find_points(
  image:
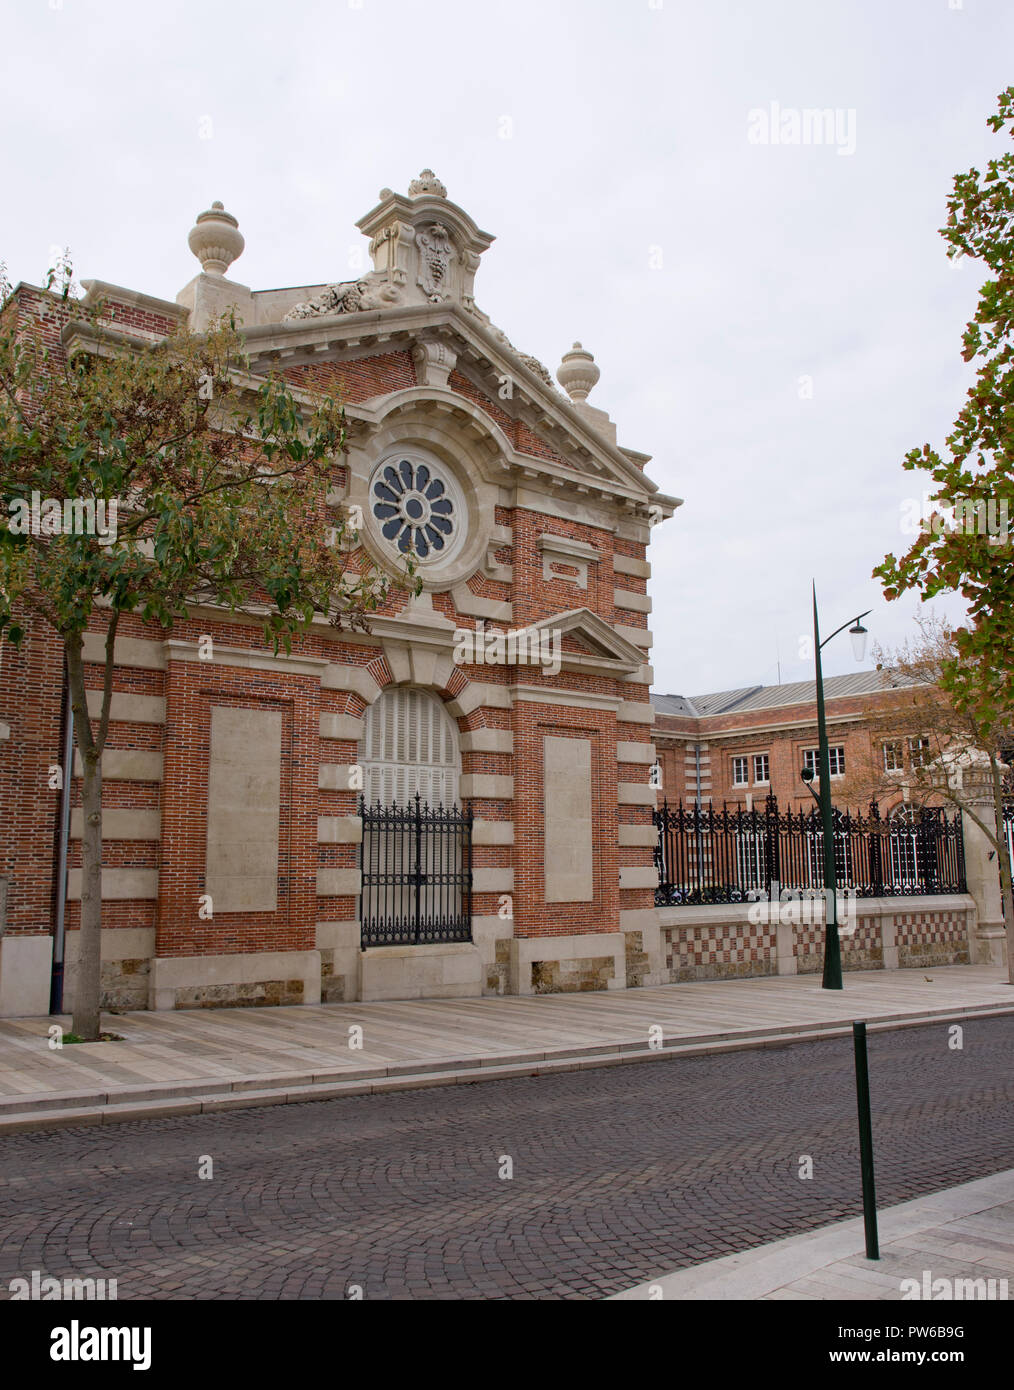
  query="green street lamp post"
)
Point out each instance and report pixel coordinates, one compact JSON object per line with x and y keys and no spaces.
{"x":832,"y":945}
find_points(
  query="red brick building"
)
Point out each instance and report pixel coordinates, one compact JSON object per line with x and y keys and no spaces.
{"x":233,"y":843}
{"x":736,"y":747}
{"x":914,"y":902}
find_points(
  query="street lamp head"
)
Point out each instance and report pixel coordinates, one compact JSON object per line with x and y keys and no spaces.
{"x":807,"y":774}
{"x":858,"y":635}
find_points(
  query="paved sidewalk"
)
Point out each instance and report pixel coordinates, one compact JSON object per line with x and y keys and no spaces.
{"x":963,"y":1233}
{"x":187,"y":1062}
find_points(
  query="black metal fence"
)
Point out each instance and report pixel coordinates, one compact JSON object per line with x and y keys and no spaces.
{"x":416,"y":863}
{"x":710,"y":855}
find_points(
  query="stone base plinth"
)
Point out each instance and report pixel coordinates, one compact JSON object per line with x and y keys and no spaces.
{"x":568,"y":964}
{"x":449,"y":971}
{"x":236,"y":980}
{"x":126,"y":967}
{"x":989,"y":944}
{"x":25,"y":968}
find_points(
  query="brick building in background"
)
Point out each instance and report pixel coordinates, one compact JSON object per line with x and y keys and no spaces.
{"x":238,"y":778}
{"x":926,"y":890}
{"x":736,"y":747}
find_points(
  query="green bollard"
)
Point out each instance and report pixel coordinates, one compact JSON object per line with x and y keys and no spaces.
{"x":866,"y":1140}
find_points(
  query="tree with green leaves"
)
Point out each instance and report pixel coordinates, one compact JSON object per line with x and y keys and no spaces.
{"x":149,"y":478}
{"x":967,"y":545}
{"x":933,"y":753}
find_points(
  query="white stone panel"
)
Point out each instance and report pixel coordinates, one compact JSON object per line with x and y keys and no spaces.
{"x":126,"y":765}
{"x":339,"y":830}
{"x":244,"y":788}
{"x":568,"y":820}
{"x":117,"y":824}
{"x":118,"y":885}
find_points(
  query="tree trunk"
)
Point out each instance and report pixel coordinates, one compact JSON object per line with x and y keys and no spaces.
{"x":88,"y":979}
{"x":1003,"y":854}
{"x":88,"y":976}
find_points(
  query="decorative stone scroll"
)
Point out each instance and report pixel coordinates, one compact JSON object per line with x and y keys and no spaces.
{"x":347,"y":297}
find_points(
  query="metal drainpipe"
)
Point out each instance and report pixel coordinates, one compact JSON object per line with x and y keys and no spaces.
{"x":59,"y":932}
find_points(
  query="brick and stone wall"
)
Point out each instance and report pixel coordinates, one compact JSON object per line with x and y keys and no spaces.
{"x":721,"y":942}
{"x":557,"y":526}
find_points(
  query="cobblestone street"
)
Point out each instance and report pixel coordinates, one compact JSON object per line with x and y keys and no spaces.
{"x":619,"y":1175}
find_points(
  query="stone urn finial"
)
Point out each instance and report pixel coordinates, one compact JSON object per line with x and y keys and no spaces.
{"x":216,"y":240}
{"x":577,"y":373}
{"x":427,"y":182}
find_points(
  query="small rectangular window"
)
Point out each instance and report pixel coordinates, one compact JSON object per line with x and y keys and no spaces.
{"x":919,"y":751}
{"x":894,"y":757}
{"x":835,"y":757}
{"x":761,"y":771}
{"x":740,"y":774}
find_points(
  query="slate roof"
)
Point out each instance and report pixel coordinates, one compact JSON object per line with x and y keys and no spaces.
{"x":673,"y":704}
{"x":755,"y":697}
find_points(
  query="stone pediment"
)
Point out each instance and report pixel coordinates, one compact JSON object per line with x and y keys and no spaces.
{"x":553,"y":451}
{"x":461,"y":362}
{"x":604,"y":650}
{"x":536,"y":439}
{"x":419,"y":299}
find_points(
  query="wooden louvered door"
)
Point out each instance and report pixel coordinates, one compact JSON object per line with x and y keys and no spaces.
{"x":410,"y":745}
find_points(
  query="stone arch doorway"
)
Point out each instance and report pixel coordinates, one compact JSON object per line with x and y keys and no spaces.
{"x":416,"y":846}
{"x":410,"y":746}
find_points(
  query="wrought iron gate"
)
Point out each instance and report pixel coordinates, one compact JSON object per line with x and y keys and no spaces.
{"x":416,"y":864}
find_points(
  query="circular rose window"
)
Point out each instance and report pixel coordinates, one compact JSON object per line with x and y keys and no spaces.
{"x":417,"y":507}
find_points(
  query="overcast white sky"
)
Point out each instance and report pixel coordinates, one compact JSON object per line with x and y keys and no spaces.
{"x":605,"y":144}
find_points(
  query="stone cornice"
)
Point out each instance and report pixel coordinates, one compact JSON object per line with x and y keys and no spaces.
{"x":98,"y":290}
{"x":99,"y":339}
{"x":243,"y":656}
{"x":544,"y":411}
{"x":559,"y":695}
{"x":410,"y":632}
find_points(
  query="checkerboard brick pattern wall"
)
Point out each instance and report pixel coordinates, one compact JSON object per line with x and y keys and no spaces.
{"x":930,"y":938}
{"x":721,"y":951}
{"x":728,"y":945}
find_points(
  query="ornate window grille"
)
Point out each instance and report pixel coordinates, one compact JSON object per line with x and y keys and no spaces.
{"x":709,"y":855}
{"x":417,"y":506}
